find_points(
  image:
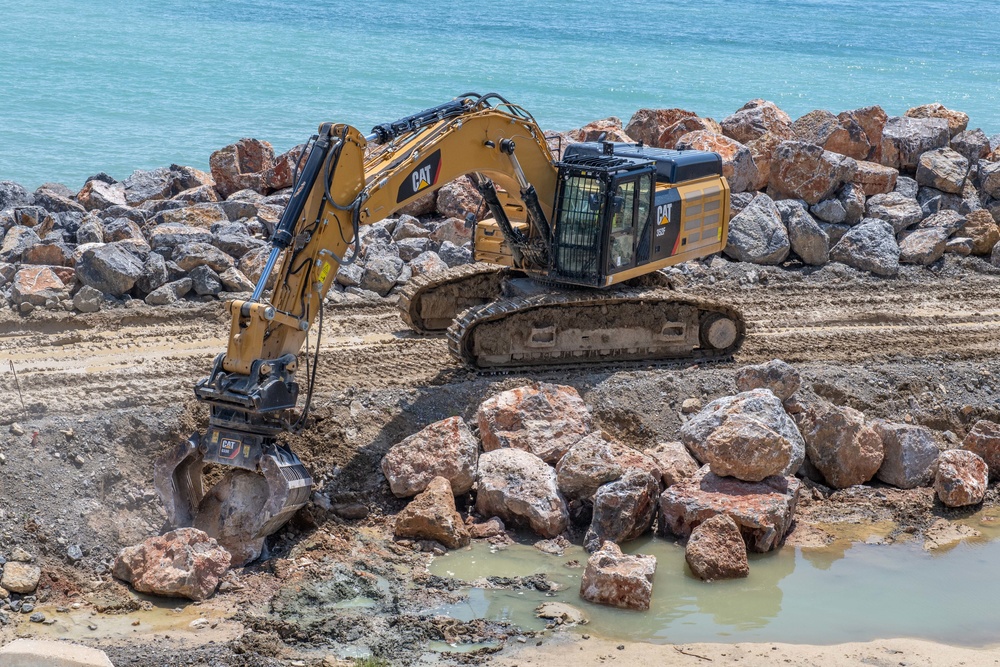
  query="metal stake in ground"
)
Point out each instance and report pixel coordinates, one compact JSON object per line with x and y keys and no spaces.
{"x":18,"y":385}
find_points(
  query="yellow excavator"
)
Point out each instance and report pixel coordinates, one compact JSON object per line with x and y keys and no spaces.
{"x":566,"y":274}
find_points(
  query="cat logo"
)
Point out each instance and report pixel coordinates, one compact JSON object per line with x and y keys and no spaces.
{"x":423,"y":176}
{"x":663,"y":213}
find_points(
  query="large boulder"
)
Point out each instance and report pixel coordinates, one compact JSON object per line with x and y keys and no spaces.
{"x":241,"y":166}
{"x":623,"y":509}
{"x":949,"y":222}
{"x":872,"y":120}
{"x":762,"y":150}
{"x":839,"y":134}
{"x":605,"y":129}
{"x":757,"y":234}
{"x":763,"y":510}
{"x":14,"y":194}
{"x":57,"y":200}
{"x":673,"y":460}
{"x":983,"y":230}
{"x":381,"y":274}
{"x":17,"y":239}
{"x":51,"y":653}
{"x":452,"y":230}
{"x":755,"y":119}
{"x":961,"y":478}
{"x":782,"y":379}
{"x":445,"y":448}
{"x":587,"y":465}
{"x":957,"y":120}
{"x":110,"y":267}
{"x":984,"y":440}
{"x":844,"y":449}
{"x":183,"y":563}
{"x":169,"y":235}
{"x":197,"y":215}
{"x":909,"y":454}
{"x":989,"y":177}
{"x":672,"y":133}
{"x":805,"y":236}
{"x":870,"y":246}
{"x":761,"y":437}
{"x":895,"y":208}
{"x":973,"y":145}
{"x":647,"y":125}
{"x":521,"y":489}
{"x":923,"y":246}
{"x":618,"y":580}
{"x":20,"y":578}
{"x":170,"y":292}
{"x":36,"y":285}
{"x":716,"y":550}
{"x":805,"y":171}
{"x":943,"y":169}
{"x":544,"y":419}
{"x":852,"y":198}
{"x":875,"y":179}
{"x":737,"y":162}
{"x":459,"y":199}
{"x":432,"y":516}
{"x":143,"y":185}
{"x":99,"y":195}
{"x":189,"y":255}
{"x":905,"y":139}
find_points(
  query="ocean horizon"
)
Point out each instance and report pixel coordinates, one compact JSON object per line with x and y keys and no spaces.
{"x":114,"y":86}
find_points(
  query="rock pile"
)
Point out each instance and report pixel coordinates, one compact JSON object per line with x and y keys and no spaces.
{"x":176,"y":232}
{"x":817,"y":185}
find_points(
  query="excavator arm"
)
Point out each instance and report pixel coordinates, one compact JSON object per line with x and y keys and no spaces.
{"x":253,"y":388}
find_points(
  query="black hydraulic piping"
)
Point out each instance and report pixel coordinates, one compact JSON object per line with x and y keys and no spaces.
{"x":513,"y":236}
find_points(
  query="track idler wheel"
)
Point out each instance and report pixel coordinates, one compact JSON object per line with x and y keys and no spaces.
{"x":242,"y":507}
{"x":718,"y":331}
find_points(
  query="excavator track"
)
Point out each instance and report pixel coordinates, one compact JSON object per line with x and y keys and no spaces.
{"x":588,"y":327}
{"x":429,"y":303}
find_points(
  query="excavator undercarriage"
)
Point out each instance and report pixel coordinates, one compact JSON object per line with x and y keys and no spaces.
{"x":567,"y":274}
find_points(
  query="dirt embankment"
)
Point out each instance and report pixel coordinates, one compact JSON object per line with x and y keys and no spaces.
{"x":103,"y":394}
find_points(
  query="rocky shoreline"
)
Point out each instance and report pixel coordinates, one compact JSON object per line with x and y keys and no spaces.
{"x":858,"y":188}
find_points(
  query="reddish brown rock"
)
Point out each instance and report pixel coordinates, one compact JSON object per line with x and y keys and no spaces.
{"x":674,"y":461}
{"x":961,"y":478}
{"x":51,"y":253}
{"x":763,"y":510}
{"x":839,"y":134}
{"x":544,"y":419}
{"x":737,"y":162}
{"x":762,"y":149}
{"x":647,"y":125}
{"x":445,"y":449}
{"x":957,"y":120}
{"x":183,"y":563}
{"x":36,"y":285}
{"x":241,"y":165}
{"x":425,"y":205}
{"x":839,"y":444}
{"x":432,"y":516}
{"x":487,"y":529}
{"x":202,"y":216}
{"x":875,"y":179}
{"x":521,"y":489}
{"x":610,"y":128}
{"x":923,"y":246}
{"x":981,"y":228}
{"x":984,"y":440}
{"x":872,"y":120}
{"x":618,"y":580}
{"x":716,"y":550}
{"x":673,"y":132}
{"x":454,"y":230}
{"x":459,"y":199}
{"x":772,"y":427}
{"x":755,"y":119}
{"x":279,"y":175}
{"x":805,"y":171}
{"x":623,"y":509}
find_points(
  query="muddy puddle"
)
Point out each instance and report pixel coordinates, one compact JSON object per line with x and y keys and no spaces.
{"x":860,"y":587}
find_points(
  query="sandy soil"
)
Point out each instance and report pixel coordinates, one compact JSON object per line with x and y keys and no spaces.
{"x":103,"y":394}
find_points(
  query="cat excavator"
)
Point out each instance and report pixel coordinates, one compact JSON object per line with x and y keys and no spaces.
{"x":566,"y":273}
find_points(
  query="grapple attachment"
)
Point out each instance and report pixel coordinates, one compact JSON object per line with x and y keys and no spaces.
{"x":256,"y":486}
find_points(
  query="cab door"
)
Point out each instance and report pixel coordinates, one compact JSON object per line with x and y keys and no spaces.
{"x":629,"y":205}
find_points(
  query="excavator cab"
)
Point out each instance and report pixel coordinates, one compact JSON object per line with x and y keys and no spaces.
{"x":603,"y":206}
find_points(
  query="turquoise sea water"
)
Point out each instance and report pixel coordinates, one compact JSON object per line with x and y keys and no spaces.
{"x":115,"y":85}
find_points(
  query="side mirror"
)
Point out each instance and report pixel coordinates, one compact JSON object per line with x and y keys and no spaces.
{"x":594,"y":201}
{"x":617,"y":204}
